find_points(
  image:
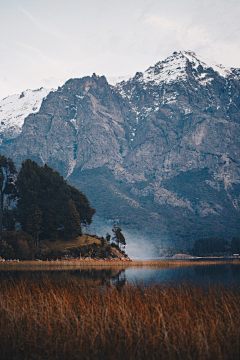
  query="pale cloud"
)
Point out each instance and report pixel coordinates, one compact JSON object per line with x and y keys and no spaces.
{"x":213,"y":38}
{"x":40,"y":63}
{"x":50,"y":30}
{"x":47,"y":42}
{"x":164,"y":23}
{"x":187,"y":35}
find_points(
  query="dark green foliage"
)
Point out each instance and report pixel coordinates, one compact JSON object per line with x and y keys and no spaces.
{"x":102,"y":240}
{"x":17,"y":245}
{"x":83,"y":207}
{"x":108,"y":237}
{"x":34,"y":221}
{"x":7,"y":186}
{"x":47,"y":206}
{"x":9,"y":219}
{"x":44,"y":190}
{"x":235,"y":245}
{"x":210,"y":246}
{"x":72,"y":220}
{"x":118,"y":236}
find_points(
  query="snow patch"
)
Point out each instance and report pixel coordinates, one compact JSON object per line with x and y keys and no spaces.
{"x":172,"y":69}
{"x":206,"y":63}
{"x":15,"y":108}
{"x":71,"y":166}
{"x":74,"y":122}
{"x":113,"y":80}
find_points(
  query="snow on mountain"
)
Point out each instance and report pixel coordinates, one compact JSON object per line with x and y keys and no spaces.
{"x":174,"y":68}
{"x":206,"y":64}
{"x":15,"y":108}
{"x":113,"y":80}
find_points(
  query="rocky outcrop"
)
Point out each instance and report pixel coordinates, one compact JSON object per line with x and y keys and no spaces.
{"x":188,"y":118}
{"x":112,"y":255}
{"x":84,"y":124}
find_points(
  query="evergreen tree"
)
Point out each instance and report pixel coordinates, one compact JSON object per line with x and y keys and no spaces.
{"x":34,"y":222}
{"x":108,"y":237}
{"x":47,"y":205}
{"x":82,"y":204}
{"x":118,"y":236}
{"x":8,"y":172}
{"x":72,"y":220}
{"x":9,"y":216}
{"x":235,"y":245}
{"x":207,"y":246}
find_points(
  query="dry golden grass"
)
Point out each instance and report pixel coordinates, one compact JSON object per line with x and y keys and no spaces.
{"x":79,"y":241}
{"x":60,"y":320}
{"x":76,"y":264}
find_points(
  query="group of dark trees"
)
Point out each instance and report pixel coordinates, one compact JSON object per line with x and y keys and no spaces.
{"x":44,"y":205}
{"x":8,"y":173}
{"x":216,"y":246}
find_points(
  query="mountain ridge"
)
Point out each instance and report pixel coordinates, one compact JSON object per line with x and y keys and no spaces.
{"x":163,"y":147}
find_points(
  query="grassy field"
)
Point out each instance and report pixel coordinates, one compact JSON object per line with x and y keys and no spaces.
{"x":79,"y":241}
{"x":76,"y":242}
{"x":60,"y":320}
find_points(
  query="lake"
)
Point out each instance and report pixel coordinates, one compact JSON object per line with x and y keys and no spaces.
{"x":225,"y":274}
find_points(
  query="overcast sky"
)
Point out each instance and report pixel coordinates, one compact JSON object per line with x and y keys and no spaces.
{"x":46,"y":42}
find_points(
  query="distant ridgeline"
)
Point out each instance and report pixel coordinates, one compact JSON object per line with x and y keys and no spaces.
{"x":158,"y":154}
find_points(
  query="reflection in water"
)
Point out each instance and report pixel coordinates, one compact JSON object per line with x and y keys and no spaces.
{"x":90,"y":275}
{"x":223,"y":274}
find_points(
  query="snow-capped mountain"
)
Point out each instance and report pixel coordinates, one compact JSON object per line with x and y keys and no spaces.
{"x":15,"y":108}
{"x":180,"y":68}
{"x":158,"y":153}
{"x":175,"y":68}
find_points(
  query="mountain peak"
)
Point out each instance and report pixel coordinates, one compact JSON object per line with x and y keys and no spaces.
{"x":166,"y":157}
{"x":197,"y":60}
{"x":174,"y":68}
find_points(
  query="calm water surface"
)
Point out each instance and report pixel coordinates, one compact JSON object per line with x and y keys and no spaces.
{"x":215,"y":274}
{"x":223,"y":274}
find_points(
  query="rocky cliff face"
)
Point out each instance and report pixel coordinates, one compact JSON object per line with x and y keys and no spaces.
{"x":188,"y":118}
{"x":159,"y":153}
{"x":84,"y":124}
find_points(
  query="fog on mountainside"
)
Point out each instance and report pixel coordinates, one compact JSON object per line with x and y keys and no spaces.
{"x":157,"y":153}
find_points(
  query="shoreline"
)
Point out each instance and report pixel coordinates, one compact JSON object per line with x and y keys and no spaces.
{"x":78,"y":264}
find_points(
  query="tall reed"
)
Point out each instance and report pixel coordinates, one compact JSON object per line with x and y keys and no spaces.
{"x":68,"y":320}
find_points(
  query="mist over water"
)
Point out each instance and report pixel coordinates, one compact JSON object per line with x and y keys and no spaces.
{"x":137,"y":246}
